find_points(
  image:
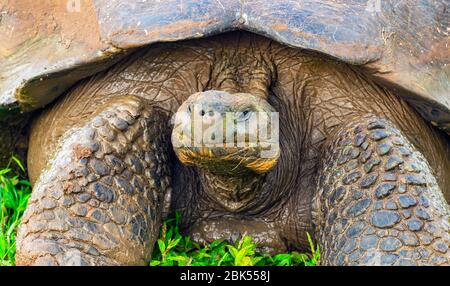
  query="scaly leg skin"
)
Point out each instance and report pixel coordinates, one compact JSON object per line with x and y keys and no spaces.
{"x":101,"y":197}
{"x":378,"y":202}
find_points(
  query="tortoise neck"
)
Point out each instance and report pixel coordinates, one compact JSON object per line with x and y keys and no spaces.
{"x":233,"y":193}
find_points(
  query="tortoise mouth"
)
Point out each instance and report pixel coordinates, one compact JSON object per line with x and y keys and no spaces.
{"x":229,"y":161}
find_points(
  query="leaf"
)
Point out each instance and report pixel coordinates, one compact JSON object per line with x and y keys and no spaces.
{"x":311,"y":244}
{"x":246,"y":261}
{"x":161,"y":245}
{"x":240,"y":257}
{"x":25,"y":183}
{"x":178,"y":258}
{"x":247,"y":241}
{"x":284,"y":262}
{"x":17,"y":161}
{"x":155,"y":263}
{"x":256,"y":260}
{"x":282,"y":256}
{"x":173,"y":243}
{"x":215,"y":243}
{"x":4,"y":171}
{"x":233,"y":251}
{"x":169,"y":234}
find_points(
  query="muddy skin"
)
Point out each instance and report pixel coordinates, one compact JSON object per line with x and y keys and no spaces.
{"x":104,"y":173}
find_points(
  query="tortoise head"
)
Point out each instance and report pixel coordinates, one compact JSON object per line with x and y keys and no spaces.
{"x":227,"y":134}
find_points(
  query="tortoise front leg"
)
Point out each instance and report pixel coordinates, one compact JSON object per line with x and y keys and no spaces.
{"x":378,"y":202}
{"x":100,"y":199}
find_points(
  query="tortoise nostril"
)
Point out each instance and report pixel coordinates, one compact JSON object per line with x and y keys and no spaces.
{"x":202,"y":112}
{"x":189,"y":109}
{"x":213,"y":136}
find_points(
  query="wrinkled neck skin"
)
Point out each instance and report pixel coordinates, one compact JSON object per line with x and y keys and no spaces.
{"x":237,"y":193}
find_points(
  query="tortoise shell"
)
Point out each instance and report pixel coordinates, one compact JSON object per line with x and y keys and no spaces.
{"x":47,"y":46}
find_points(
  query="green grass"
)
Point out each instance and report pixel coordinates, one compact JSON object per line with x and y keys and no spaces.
{"x":14,"y":194}
{"x":172,"y":249}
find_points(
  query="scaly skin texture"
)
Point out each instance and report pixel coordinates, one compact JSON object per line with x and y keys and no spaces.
{"x":101,"y":200}
{"x":315,"y":97}
{"x":378,"y":202}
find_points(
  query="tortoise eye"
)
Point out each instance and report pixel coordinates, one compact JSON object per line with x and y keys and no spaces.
{"x":244,"y":115}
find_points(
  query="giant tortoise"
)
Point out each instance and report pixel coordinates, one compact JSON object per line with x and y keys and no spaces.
{"x":103,"y":96}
